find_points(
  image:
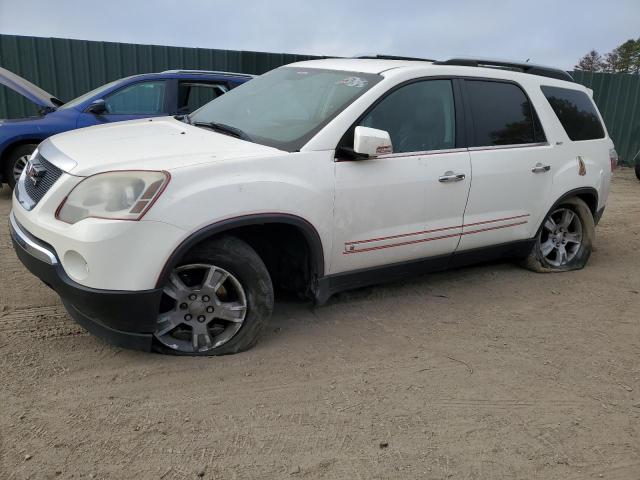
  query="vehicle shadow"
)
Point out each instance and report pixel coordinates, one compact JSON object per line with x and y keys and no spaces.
{"x":290,"y":311}
{"x":5,"y":192}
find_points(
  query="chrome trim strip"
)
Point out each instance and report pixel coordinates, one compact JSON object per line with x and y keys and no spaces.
{"x":21,"y":193}
{"x":503,"y":147}
{"x":54,"y":156}
{"x":457,"y":150}
{"x":29,"y":243}
{"x":211,"y":72}
{"x":420,"y":154}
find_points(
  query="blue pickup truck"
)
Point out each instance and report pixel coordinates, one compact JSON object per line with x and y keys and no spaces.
{"x":173,"y":92}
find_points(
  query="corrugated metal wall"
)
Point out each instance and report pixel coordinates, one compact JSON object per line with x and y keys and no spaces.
{"x":68,"y":68}
{"x":618,"y":99}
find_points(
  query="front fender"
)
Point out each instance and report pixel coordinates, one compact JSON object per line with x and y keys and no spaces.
{"x":289,"y":185}
{"x":307,"y":229}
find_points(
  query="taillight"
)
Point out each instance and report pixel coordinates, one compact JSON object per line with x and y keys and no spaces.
{"x":613,"y":158}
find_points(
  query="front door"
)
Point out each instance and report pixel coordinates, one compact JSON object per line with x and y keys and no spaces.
{"x":407,"y":205}
{"x":140,"y":100}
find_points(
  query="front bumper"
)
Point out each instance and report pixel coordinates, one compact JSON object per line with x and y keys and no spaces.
{"x":123,"y":318}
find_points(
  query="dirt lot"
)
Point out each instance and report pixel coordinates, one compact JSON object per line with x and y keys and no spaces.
{"x":484,"y":372}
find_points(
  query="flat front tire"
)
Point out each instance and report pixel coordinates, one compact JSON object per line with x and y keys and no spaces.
{"x":16,"y":161}
{"x":216,"y":301}
{"x":565,"y":239}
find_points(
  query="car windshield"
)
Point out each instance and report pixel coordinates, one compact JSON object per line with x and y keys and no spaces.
{"x":82,"y":98}
{"x":287,"y":106}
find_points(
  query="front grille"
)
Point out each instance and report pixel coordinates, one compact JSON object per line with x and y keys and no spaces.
{"x":45,"y":181}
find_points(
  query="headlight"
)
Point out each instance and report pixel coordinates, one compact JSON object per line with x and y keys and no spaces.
{"x":121,"y":195}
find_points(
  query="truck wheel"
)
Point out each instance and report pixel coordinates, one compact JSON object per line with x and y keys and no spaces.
{"x":216,"y":302}
{"x":638,"y":169}
{"x":565,"y":239}
{"x":16,"y":161}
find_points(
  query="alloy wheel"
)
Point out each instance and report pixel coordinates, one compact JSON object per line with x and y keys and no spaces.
{"x":19,"y":166}
{"x":203,"y":307}
{"x":560,"y":237}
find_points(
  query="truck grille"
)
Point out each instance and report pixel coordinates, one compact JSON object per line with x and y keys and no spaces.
{"x":48,"y":175}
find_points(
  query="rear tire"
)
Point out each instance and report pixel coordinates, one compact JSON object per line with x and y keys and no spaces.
{"x":565,"y":239}
{"x":638,"y":169}
{"x":16,"y":161}
{"x":219,"y":304}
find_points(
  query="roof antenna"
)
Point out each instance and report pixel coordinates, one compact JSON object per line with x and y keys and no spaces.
{"x":527,"y":60}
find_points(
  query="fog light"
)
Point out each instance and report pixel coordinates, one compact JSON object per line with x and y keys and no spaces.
{"x":75,"y":265}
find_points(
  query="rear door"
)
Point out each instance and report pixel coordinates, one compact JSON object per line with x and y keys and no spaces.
{"x":139,"y":100}
{"x":407,"y":205}
{"x":511,"y":164}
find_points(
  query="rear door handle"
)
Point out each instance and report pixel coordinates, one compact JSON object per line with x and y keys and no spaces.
{"x":540,"y":168}
{"x":449,"y":177}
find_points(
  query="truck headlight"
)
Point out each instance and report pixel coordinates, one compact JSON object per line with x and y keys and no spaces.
{"x":119,"y":195}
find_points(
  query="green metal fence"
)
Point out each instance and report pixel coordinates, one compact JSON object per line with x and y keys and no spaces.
{"x":68,"y":68}
{"x":618,"y":99}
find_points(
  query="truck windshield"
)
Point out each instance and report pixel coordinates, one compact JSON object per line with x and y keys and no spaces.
{"x":287,"y":106}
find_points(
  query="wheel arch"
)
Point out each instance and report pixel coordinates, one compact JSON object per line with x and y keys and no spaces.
{"x":305,"y":228}
{"x":588,"y":195}
{"x":10,"y":147}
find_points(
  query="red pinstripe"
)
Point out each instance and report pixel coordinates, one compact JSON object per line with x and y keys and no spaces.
{"x":402,"y":243}
{"x":403,"y":235}
{"x":422,"y":232}
{"x":421,"y":240}
{"x":498,"y":220}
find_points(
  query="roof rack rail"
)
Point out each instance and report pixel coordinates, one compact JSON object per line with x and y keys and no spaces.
{"x":209,"y":72}
{"x":530,"y":68}
{"x":395,"y":57}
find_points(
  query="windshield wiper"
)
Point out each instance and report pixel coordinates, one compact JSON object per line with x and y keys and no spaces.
{"x":224,"y":128}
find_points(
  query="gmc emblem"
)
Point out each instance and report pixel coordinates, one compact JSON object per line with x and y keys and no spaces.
{"x":35,"y":171}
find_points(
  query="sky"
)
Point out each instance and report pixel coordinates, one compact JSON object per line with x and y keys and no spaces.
{"x":555,"y":33}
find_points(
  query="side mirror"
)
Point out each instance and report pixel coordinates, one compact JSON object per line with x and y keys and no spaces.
{"x":97,"y":107}
{"x":371,"y":142}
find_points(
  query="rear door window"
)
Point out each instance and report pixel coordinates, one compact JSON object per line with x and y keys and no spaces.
{"x":194,"y":94}
{"x":501,"y":114}
{"x":576,"y":112}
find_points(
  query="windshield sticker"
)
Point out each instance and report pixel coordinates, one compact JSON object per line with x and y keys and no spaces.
{"x":356,"y":82}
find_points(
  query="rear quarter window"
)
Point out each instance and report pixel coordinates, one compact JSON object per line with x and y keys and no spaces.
{"x":501,"y":114}
{"x":576,"y":112}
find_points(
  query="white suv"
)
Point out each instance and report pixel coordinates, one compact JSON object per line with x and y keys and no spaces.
{"x":172,"y":233}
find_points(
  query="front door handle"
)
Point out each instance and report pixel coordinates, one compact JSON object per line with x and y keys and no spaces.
{"x":449,"y":177}
{"x":540,"y":168}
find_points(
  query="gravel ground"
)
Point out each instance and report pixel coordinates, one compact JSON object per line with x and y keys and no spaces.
{"x":484,"y":372}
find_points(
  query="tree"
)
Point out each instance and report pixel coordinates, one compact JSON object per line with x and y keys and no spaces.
{"x":629,"y":57}
{"x":591,"y":62}
{"x":623,"y":59}
{"x":612,"y":61}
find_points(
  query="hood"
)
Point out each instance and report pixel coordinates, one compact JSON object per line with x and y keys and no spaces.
{"x":28,"y":90}
{"x":147,"y":144}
